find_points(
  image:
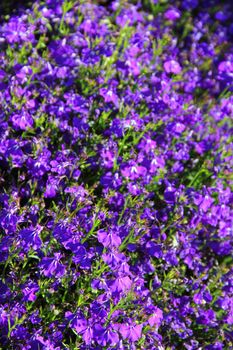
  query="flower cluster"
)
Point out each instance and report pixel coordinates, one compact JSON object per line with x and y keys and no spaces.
{"x":116,"y":227}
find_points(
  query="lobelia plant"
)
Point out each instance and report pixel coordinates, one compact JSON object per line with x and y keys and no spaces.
{"x":116,"y":175}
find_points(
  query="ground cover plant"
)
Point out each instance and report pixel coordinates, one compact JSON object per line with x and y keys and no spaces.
{"x":116,"y":175}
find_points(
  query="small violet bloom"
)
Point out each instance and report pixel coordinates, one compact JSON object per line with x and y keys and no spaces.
{"x":51,"y":267}
{"x":109,"y":96}
{"x":172,"y":14}
{"x":172,"y":66}
{"x":121,"y":284}
{"x":108,"y":239}
{"x":156,"y":318}
{"x":22,"y":121}
{"x":131,"y":332}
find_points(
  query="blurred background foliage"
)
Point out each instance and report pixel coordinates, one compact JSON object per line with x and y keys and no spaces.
{"x":8,"y":7}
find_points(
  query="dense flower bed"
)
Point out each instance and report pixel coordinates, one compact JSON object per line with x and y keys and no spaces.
{"x":116,"y":175}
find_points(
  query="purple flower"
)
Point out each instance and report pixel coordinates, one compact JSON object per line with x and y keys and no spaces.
{"x":81,"y":256}
{"x":2,"y":74}
{"x":121,"y":284}
{"x":50,"y":191}
{"x":189,"y":4}
{"x":172,"y":14}
{"x":108,"y":239}
{"x":204,"y":203}
{"x":154,"y":249}
{"x":170,"y":195}
{"x":109,"y":96}
{"x":106,"y":336}
{"x":30,"y":237}
{"x":9,"y":219}
{"x":156,"y":318}
{"x":24,"y":73}
{"x":117,"y":201}
{"x":207,"y":317}
{"x":216,"y":346}
{"x":110,"y":180}
{"x":134,"y":189}
{"x":171,"y":258}
{"x":179,"y":127}
{"x":51,"y":188}
{"x":107,"y":158}
{"x":51,"y":267}
{"x":29,"y":291}
{"x":113,"y":258}
{"x":14,"y":31}
{"x":133,"y":171}
{"x":147,"y":145}
{"x":172,"y":66}
{"x":225,"y":67}
{"x":39,"y":342}
{"x":82,"y":326}
{"x":221,"y":248}
{"x":157,"y":163}
{"x":78,"y":192}
{"x":132,"y":332}
{"x":134,"y":67}
{"x":22,"y":121}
